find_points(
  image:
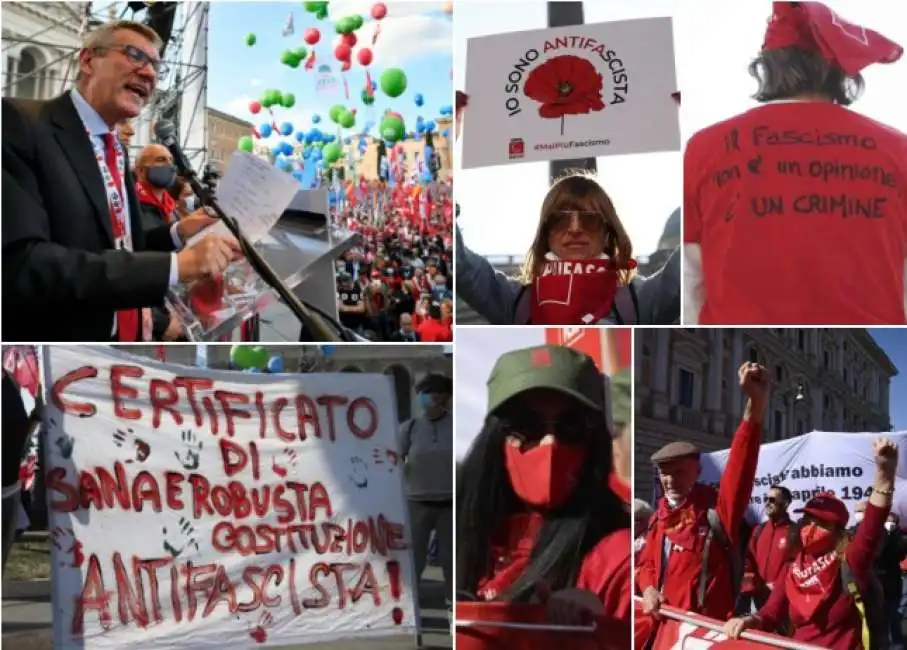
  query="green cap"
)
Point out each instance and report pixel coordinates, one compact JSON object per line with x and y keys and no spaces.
{"x":546,"y":366}
{"x":620,"y":398}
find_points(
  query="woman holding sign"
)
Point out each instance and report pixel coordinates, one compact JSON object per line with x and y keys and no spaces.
{"x":821,"y":593}
{"x":784,"y":201}
{"x":579,"y":270}
{"x":537,"y":521}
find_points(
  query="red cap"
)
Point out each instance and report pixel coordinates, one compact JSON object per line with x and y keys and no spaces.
{"x":827,"y":507}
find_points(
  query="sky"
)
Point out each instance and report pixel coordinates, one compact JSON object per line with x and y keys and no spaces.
{"x":894,"y":342}
{"x":715,"y":41}
{"x":415,"y":37}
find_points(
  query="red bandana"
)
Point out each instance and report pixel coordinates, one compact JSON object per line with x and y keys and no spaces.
{"x":814,"y":27}
{"x":684,"y":523}
{"x":810,"y":582}
{"x":573,"y":293}
{"x":146,"y":197}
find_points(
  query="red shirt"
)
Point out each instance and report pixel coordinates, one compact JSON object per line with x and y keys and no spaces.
{"x":767,"y":556}
{"x":787,"y":235}
{"x":433,"y":331}
{"x":689,"y":525}
{"x":836,"y":625}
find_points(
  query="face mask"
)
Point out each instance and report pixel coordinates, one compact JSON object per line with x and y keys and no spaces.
{"x":190,"y":203}
{"x":815,"y":539}
{"x":890,"y":526}
{"x":546,"y":475}
{"x":162,"y":177}
{"x":426,"y":401}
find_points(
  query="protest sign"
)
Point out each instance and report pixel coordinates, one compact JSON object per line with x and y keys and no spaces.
{"x":201,"y":509}
{"x":570,"y":92}
{"x":820,"y":461}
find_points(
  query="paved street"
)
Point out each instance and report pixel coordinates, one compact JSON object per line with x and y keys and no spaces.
{"x":27,"y":624}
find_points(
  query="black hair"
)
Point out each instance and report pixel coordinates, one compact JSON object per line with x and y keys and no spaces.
{"x":785,"y":493}
{"x":435,"y":382}
{"x":485,"y":499}
{"x":790,"y":72}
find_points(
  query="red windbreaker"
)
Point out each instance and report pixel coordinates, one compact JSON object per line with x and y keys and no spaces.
{"x":767,"y":557}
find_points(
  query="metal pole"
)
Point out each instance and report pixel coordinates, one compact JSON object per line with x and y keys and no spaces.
{"x":564,"y":14}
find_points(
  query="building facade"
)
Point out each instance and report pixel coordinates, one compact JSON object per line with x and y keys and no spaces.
{"x":405,"y":364}
{"x":224,"y":132}
{"x":686,"y":386}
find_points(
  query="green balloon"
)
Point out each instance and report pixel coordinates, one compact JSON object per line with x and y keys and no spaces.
{"x":393,"y":82}
{"x":246,"y":143}
{"x":301,"y":52}
{"x":357,"y":21}
{"x":392,"y":129}
{"x":331,"y":153}
{"x":367,"y":99}
{"x":251,"y":39}
{"x":242,"y":356}
{"x":346,"y":119}
{"x":288,"y":57}
{"x":335,"y":112}
{"x":344,"y":26}
{"x":288,"y":100}
{"x":270,"y":97}
{"x":320,"y":9}
{"x":259,"y":357}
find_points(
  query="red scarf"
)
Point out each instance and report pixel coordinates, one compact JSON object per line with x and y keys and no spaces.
{"x":574,"y":293}
{"x":815,"y":28}
{"x":510,"y":552}
{"x":681,"y":523}
{"x":166,"y":204}
{"x":810,"y":582}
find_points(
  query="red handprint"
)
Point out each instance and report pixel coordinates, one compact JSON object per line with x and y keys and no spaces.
{"x":380,"y":455}
{"x":259,"y":632}
{"x":290,"y":458}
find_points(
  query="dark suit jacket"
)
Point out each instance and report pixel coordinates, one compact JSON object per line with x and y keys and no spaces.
{"x":62,"y":279}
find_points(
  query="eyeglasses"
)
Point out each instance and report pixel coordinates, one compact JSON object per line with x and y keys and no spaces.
{"x":771,"y":500}
{"x":139,"y":58}
{"x":588,"y":221}
{"x":569,"y":429}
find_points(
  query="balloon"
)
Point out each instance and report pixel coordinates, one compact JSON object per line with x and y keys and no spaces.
{"x":289,"y":58}
{"x":419,"y":99}
{"x":286,"y":128}
{"x":392,"y":128}
{"x":286,"y":148}
{"x":288,"y":101}
{"x":332,"y":153}
{"x":335,"y":112}
{"x":301,"y":52}
{"x":367,"y":99}
{"x":343,"y":52}
{"x":320,"y":9}
{"x":311,"y":35}
{"x":270,"y":98}
{"x":347,"y":119}
{"x":275,"y":364}
{"x":254,"y":107}
{"x":344,"y":25}
{"x":346,"y":66}
{"x":350,"y":39}
{"x":365,"y":57}
{"x":265,"y":130}
{"x":242,"y":357}
{"x":447,"y":109}
{"x":259,"y":357}
{"x":250,"y":39}
{"x":316,"y":119}
{"x":379,"y":10}
{"x":246,"y":143}
{"x":393,"y":82}
{"x":429,"y":126}
{"x":300,"y":136}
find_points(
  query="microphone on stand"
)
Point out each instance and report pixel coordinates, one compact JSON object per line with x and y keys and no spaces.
{"x":166,"y":133}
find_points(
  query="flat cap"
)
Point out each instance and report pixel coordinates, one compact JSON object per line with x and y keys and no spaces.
{"x":675,"y":450}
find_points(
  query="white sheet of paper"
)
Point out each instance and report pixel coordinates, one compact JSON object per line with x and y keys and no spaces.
{"x":255,"y":193}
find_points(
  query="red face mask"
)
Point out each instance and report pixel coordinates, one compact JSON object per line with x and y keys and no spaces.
{"x":573,"y":293}
{"x":815,"y":539}
{"x":546,"y":475}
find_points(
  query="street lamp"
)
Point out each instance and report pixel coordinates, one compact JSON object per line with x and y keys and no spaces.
{"x":565,"y":14}
{"x":799,"y":396}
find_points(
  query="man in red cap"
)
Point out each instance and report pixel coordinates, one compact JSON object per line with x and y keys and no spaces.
{"x":687,"y":559}
{"x":783,"y":203}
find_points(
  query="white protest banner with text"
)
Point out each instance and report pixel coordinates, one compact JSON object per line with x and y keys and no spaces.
{"x":571,"y":92}
{"x":198,"y":509}
{"x":843,"y":463}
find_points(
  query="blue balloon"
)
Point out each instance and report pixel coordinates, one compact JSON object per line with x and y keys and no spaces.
{"x":300,"y":136}
{"x":419,"y":99}
{"x":420,"y":120}
{"x":316,"y":119}
{"x":429,"y":126}
{"x":265,"y":130}
{"x":429,"y":152}
{"x":445,"y":133}
{"x":447,"y":109}
{"x":276,"y":151}
{"x":327,"y":350}
{"x":275,"y":364}
{"x":286,"y":128}
{"x":286,"y":148}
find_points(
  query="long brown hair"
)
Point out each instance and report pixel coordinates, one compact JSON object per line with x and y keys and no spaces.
{"x":579,"y":190}
{"x":791,"y":72}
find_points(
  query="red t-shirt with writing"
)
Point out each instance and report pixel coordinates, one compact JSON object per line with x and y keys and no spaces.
{"x":800,"y":209}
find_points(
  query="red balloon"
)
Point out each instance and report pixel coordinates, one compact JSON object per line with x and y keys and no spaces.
{"x":255,"y":107}
{"x":343,"y":52}
{"x":364,"y":56}
{"x":350,"y":39}
{"x":379,"y":10}
{"x":312,"y":35}
{"x":346,"y":66}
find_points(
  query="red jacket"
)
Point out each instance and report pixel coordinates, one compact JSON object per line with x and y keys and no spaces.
{"x":433,"y":331}
{"x":836,"y":624}
{"x":681,"y":575}
{"x":767,"y":556}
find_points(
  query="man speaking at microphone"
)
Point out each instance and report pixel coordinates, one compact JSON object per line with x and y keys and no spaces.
{"x":77,"y":263}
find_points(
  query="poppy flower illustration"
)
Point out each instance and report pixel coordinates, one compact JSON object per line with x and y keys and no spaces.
{"x":565,"y":85}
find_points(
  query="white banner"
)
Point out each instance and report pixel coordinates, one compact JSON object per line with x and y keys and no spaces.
{"x":197,"y":509}
{"x":571,"y":92}
{"x":820,"y":461}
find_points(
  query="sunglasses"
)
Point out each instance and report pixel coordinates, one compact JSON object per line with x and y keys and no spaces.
{"x":569,"y":429}
{"x":772,"y":500}
{"x":588,"y":221}
{"x":139,"y":58}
